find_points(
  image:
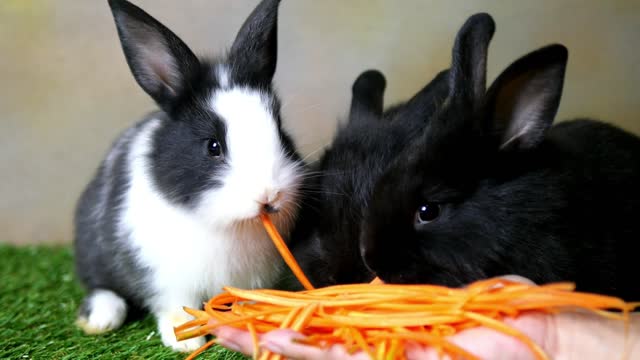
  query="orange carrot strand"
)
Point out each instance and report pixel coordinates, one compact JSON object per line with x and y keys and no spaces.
{"x":284,"y":251}
{"x":201,"y":349}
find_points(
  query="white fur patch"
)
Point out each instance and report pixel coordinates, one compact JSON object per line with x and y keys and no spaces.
{"x":167,"y":321}
{"x":109,"y":176}
{"x":222,"y":74}
{"x":191,"y":255}
{"x":108,"y":312}
{"x":259,"y":170}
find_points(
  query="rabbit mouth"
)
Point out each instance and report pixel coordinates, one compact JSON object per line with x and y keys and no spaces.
{"x":253,"y":229}
{"x":282,"y":215}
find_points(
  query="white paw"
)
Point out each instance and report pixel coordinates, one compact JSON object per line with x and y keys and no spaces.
{"x":185,"y":345}
{"x":167,"y":321}
{"x":102,"y":311}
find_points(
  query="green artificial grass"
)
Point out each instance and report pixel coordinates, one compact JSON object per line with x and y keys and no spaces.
{"x":39,"y":295}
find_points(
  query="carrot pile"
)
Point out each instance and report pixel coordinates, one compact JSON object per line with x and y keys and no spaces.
{"x":380,"y":319}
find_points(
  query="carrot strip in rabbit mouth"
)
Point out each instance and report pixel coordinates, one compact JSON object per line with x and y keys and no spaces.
{"x":284,"y":251}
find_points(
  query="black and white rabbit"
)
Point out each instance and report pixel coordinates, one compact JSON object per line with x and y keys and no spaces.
{"x":361,"y":150}
{"x":490,"y":188}
{"x":170,"y":216}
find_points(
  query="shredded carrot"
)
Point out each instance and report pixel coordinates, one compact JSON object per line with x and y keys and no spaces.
{"x":201,"y":349}
{"x":254,"y":339}
{"x":381,"y":319}
{"x":284,"y":251}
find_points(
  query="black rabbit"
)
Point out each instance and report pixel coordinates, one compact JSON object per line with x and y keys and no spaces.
{"x":171,"y":215}
{"x":360,"y":152}
{"x":490,"y":188}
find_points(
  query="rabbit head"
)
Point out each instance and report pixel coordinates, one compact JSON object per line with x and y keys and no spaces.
{"x":219,"y":151}
{"x":464,"y":201}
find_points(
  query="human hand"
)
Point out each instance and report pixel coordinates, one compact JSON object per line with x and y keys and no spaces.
{"x":282,"y":342}
{"x":566,"y":335}
{"x":483,"y":342}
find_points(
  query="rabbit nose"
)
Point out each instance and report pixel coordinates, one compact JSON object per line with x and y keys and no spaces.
{"x":268,"y":208}
{"x":269,"y":201}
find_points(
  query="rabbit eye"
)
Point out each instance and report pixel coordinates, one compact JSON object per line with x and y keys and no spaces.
{"x":214,"y":148}
{"x":427,"y":213}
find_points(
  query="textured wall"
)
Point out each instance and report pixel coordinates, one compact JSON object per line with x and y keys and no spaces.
{"x":65,"y":89}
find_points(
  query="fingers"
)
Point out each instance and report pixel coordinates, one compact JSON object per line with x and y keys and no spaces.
{"x":234,"y":339}
{"x":283,"y":342}
{"x":517,"y":278}
{"x":482,"y":342}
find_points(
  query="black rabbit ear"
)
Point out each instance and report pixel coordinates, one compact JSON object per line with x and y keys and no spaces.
{"x":522,"y":102}
{"x":367,"y":95}
{"x":254,"y":52}
{"x":469,"y":59}
{"x":160,"y":62}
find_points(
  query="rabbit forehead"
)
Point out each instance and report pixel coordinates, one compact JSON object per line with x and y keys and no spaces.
{"x":252,"y":133}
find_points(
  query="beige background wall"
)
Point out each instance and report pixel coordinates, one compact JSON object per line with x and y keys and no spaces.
{"x":65,"y":89}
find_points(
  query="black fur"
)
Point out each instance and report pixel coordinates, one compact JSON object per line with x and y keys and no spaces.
{"x":255,"y":65}
{"x":181,"y":168}
{"x":360,"y":152}
{"x":516,"y":197}
{"x":179,"y":165}
{"x":161,"y":63}
{"x":102,"y":262}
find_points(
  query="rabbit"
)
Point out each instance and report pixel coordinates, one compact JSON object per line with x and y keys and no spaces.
{"x":490,"y":187}
{"x":171,"y":215}
{"x":360,"y":151}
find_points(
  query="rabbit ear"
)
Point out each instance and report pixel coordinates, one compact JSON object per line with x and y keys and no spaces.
{"x":467,"y":77}
{"x":367,"y":95}
{"x":254,"y":52}
{"x":522,"y":102}
{"x":160,"y":62}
